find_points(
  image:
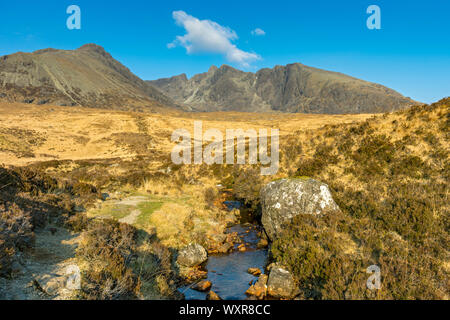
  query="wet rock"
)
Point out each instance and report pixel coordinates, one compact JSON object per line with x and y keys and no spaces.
{"x":54,"y":284}
{"x":212,"y":296}
{"x":282,"y":200}
{"x":281,"y":283}
{"x":202,"y":286}
{"x":254,"y":271}
{"x":259,"y":289}
{"x":37,"y":286}
{"x":225,"y":248}
{"x":218,"y":244}
{"x":193,"y":274}
{"x":219,"y":238}
{"x":262,"y":243}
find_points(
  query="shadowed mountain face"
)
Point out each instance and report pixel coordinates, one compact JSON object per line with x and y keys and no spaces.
{"x":291,"y":88}
{"x":88,"y":76}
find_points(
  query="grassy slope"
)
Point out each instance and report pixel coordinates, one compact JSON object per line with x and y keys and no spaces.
{"x":389,"y":176}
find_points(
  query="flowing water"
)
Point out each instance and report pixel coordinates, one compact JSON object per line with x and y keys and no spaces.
{"x":228,"y":272}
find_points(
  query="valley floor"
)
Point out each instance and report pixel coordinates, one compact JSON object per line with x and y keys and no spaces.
{"x":31,"y":133}
{"x":115,"y":186}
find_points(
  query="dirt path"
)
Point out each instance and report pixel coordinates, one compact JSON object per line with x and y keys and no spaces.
{"x":132,"y":201}
{"x":132,"y":217}
{"x":42,"y":273}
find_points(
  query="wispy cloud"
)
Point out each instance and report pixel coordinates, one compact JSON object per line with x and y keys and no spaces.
{"x":209,"y":36}
{"x":258,"y":32}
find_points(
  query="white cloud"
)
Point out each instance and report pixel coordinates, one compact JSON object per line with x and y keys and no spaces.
{"x":258,"y":32}
{"x":209,"y":36}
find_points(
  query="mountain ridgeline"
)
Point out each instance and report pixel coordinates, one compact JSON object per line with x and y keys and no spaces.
{"x":291,"y":88}
{"x":91,"y":77}
{"x":88,"y":76}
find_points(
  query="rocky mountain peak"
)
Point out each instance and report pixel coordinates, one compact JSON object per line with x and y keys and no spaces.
{"x":87,"y":76}
{"x":291,"y":88}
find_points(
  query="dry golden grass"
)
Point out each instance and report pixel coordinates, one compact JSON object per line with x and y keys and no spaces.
{"x":78,"y":133}
{"x":388,"y":173}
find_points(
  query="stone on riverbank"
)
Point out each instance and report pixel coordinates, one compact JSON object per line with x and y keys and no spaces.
{"x":202,"y":286}
{"x":282,"y":200}
{"x":254,"y":271}
{"x":259,"y":289}
{"x":213,"y":296}
{"x":281,"y":283}
{"x":192,"y":255}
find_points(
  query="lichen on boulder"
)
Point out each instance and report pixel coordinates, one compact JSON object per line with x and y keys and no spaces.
{"x":283,"y":199}
{"x":192,"y":255}
{"x":281,"y":283}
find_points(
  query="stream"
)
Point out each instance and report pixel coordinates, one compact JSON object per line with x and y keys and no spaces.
{"x":228,"y":272}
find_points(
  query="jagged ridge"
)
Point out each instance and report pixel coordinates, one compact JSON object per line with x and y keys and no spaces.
{"x":291,"y":88}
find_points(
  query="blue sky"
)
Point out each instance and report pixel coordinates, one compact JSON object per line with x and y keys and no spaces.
{"x":411,"y":52}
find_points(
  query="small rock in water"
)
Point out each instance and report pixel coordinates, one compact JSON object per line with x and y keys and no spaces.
{"x":195,"y":274}
{"x":259,"y":289}
{"x":202,"y":286}
{"x":254,"y":271}
{"x":225,"y":248}
{"x":262,"y":243}
{"x":212,"y":296}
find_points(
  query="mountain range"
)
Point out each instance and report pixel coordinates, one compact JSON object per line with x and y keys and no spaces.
{"x":291,"y":88}
{"x":91,"y":77}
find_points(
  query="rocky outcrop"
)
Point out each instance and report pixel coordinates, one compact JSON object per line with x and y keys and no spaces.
{"x":192,"y":255}
{"x":281,"y":283}
{"x":291,"y":88}
{"x":282,"y":200}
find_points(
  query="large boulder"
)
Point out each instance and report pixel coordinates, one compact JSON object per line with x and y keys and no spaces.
{"x":281,"y":283}
{"x":192,"y":255}
{"x":283,"y":199}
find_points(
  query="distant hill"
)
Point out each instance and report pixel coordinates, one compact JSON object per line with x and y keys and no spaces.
{"x":88,"y":76}
{"x":291,"y":88}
